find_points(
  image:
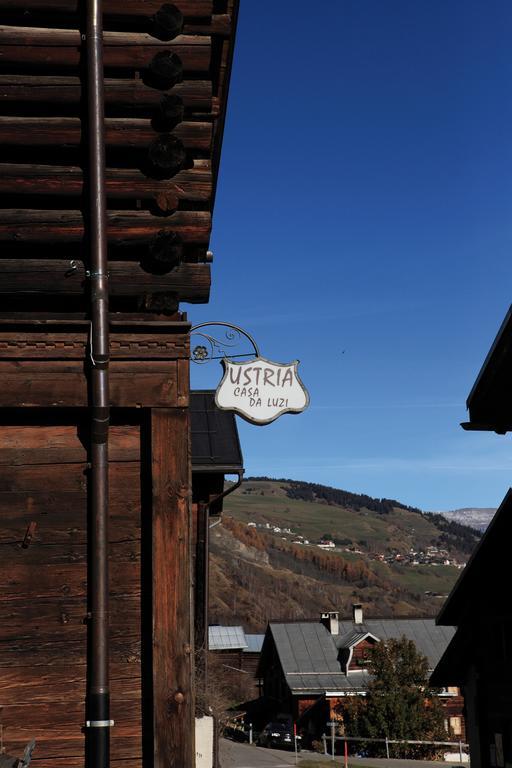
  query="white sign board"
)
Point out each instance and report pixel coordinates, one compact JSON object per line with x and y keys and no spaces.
{"x":204,"y":742}
{"x":260,"y":390}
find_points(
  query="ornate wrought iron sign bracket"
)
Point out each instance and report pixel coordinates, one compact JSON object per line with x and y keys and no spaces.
{"x":216,"y":347}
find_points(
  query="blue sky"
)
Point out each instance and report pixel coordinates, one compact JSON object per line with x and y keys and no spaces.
{"x":363,"y":225}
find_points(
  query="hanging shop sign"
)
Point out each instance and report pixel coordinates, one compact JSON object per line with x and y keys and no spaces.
{"x":258,"y":389}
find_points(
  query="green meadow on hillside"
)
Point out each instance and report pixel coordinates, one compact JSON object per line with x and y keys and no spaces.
{"x":259,"y":574}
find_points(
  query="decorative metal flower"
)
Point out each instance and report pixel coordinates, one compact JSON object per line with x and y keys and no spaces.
{"x":199,"y":353}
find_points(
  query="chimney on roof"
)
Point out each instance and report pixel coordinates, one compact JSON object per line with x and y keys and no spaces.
{"x":331,"y":622}
{"x":357,"y":613}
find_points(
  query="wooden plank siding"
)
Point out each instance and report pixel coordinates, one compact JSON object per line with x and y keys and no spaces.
{"x":43,"y":589}
{"x":172,"y":637}
{"x":43,"y":592}
{"x":44,"y":489}
{"x":361,"y":654}
{"x":164,"y":109}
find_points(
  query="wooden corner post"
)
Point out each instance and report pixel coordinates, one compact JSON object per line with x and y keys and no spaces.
{"x":172,"y":651}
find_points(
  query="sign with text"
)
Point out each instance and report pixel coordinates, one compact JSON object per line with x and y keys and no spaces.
{"x":260,"y":390}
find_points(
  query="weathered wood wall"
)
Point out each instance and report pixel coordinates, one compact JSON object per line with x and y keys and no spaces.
{"x":44,"y":481}
{"x":43,"y":592}
{"x":165,"y":72}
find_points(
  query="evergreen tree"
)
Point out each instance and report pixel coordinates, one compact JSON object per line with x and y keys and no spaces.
{"x":400,"y":704}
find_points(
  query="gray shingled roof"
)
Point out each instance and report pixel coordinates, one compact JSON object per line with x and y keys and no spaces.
{"x":226,"y":638}
{"x":430,"y":640}
{"x":309,"y":653}
{"x":309,"y":659}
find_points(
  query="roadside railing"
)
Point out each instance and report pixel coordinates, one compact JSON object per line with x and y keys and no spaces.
{"x":459,"y":746}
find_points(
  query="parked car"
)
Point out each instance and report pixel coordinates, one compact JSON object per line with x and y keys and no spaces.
{"x":278,"y":734}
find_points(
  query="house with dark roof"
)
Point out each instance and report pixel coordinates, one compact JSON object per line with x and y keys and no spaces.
{"x":308,"y":668}
{"x":237,"y":653}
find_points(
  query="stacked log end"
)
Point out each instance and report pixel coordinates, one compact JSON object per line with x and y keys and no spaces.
{"x":165,"y":76}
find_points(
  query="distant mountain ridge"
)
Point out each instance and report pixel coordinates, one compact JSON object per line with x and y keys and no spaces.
{"x":474,"y":517}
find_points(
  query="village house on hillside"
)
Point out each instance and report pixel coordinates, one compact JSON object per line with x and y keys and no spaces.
{"x":237,"y":653}
{"x":308,"y":668}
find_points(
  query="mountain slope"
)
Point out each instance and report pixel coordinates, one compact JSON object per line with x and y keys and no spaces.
{"x":266,"y":562}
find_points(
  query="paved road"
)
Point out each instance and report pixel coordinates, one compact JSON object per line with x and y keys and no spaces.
{"x":235,"y":755}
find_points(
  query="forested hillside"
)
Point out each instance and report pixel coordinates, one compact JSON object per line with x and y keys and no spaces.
{"x":289,"y":549}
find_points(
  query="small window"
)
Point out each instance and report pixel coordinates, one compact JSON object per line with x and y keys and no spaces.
{"x":456,"y":726}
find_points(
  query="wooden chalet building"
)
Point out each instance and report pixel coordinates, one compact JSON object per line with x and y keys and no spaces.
{"x":479,"y":657}
{"x":237,"y":655}
{"x":308,"y":669}
{"x":105,"y":222}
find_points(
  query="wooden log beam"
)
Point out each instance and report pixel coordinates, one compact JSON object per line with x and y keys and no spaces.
{"x":43,"y":48}
{"x":188,"y":282}
{"x":55,"y":748}
{"x":63,"y":384}
{"x":129,"y":94}
{"x":23,"y":687}
{"x":71,"y":477}
{"x":172,"y":644}
{"x":123,"y":227}
{"x":62,"y":445}
{"x":119,"y":132}
{"x":60,"y":517}
{"x":191,"y":9}
{"x":50,"y":654}
{"x":194,"y":184}
{"x":158,"y":24}
{"x":68,"y":612}
{"x":51,"y":553}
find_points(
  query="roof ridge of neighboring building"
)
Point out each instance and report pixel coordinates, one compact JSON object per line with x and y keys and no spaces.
{"x":354,"y":636}
{"x":350,"y":619}
{"x":405,"y":617}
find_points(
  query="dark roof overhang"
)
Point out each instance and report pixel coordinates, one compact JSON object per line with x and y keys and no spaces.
{"x":216,"y":451}
{"x":452,"y":667}
{"x":215,"y":442}
{"x":479,"y":589}
{"x":490,"y":401}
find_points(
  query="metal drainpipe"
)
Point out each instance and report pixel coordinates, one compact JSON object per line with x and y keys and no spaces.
{"x":229,"y":490}
{"x":98,"y":693}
